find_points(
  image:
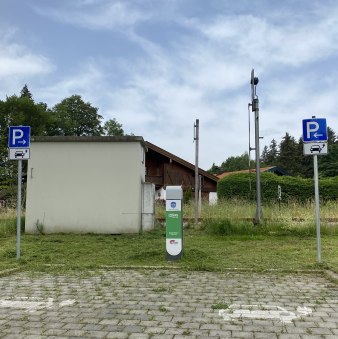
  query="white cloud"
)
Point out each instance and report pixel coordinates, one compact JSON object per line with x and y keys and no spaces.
{"x":17,"y":60}
{"x":88,"y":80}
{"x":97,"y":14}
{"x":18,"y":63}
{"x":262,"y":40}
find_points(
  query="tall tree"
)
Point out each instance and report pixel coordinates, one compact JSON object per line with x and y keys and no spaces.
{"x":328,"y":164}
{"x":265,"y":155}
{"x":289,"y":155}
{"x":18,"y":111}
{"x":237,"y":163}
{"x":270,"y":155}
{"x":214,"y":169}
{"x":112,"y":127}
{"x":305,"y":162}
{"x":273,"y":152}
{"x":73,"y":116}
{"x":25,"y":93}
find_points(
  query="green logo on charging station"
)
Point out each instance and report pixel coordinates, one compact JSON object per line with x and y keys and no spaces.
{"x":173,"y":219}
{"x":173,"y":225}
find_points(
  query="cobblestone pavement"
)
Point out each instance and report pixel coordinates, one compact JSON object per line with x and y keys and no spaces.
{"x":168,"y":304}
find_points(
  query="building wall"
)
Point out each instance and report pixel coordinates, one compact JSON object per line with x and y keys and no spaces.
{"x":163,"y":171}
{"x":85,"y":187}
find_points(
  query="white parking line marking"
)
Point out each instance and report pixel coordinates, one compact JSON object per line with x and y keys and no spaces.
{"x":237,"y":312}
{"x":33,"y":304}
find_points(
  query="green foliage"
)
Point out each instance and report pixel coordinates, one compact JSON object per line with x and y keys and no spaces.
{"x":16,"y":111}
{"x":270,"y":154}
{"x":237,"y":163}
{"x":288,"y":149}
{"x":237,"y":186}
{"x":233,"y":163}
{"x":73,"y":116}
{"x":26,"y":93}
{"x":328,"y":164}
{"x":289,"y":156}
{"x":112,"y":127}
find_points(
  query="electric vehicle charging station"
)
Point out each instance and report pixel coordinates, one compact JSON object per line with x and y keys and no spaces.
{"x":174,"y":222}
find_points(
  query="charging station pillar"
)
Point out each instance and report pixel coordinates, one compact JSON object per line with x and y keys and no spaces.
{"x":174,"y":222}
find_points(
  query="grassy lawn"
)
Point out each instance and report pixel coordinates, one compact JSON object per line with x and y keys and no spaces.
{"x":225,"y":240}
{"x":201,"y":252}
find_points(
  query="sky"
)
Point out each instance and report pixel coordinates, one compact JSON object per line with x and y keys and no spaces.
{"x":158,"y":65}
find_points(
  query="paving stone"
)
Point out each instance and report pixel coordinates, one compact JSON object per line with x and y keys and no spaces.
{"x":220,"y":333}
{"x":139,"y":336}
{"x":270,"y":335}
{"x":117,"y":335}
{"x":122,"y":303}
{"x":133,"y":329}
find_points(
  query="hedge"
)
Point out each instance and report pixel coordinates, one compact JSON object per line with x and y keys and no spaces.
{"x":293,"y":188}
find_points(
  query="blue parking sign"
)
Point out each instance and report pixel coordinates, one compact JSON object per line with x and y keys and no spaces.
{"x":19,"y":137}
{"x":314,"y":130}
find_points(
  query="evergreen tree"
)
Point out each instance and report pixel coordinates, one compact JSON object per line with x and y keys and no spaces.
{"x":328,"y":164}
{"x":289,"y":155}
{"x":306,"y":162}
{"x":273,"y":152}
{"x":25,"y":93}
{"x":270,"y":155}
{"x":265,"y":155}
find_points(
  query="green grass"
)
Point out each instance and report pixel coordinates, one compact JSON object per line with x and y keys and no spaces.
{"x":289,"y":213}
{"x":201,"y":252}
{"x":226,"y":239}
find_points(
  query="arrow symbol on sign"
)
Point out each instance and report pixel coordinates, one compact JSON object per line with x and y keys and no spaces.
{"x":316,"y":135}
{"x":22,"y":142}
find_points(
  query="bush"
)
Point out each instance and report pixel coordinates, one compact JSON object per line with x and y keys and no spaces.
{"x":243,"y":186}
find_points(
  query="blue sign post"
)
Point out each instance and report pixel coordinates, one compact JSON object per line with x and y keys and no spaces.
{"x":18,"y":144}
{"x":315,"y":143}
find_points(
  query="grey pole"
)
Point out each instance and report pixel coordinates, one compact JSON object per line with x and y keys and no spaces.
{"x":199,"y":195}
{"x":258,"y":166}
{"x":255,"y":108}
{"x":18,"y":223}
{"x":315,"y":168}
{"x":196,"y":138}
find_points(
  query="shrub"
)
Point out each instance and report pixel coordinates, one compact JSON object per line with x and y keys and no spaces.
{"x":243,"y":186}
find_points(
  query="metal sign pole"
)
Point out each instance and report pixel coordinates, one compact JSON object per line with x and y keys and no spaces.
{"x":19,"y":149}
{"x":199,"y":195}
{"x":18,"y":224}
{"x":315,"y":166}
{"x":315,"y":143}
{"x":196,"y":139}
{"x":258,"y":167}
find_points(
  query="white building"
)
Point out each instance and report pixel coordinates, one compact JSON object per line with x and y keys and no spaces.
{"x":88,"y":184}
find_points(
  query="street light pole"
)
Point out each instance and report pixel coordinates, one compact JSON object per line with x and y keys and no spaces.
{"x":255,"y":108}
